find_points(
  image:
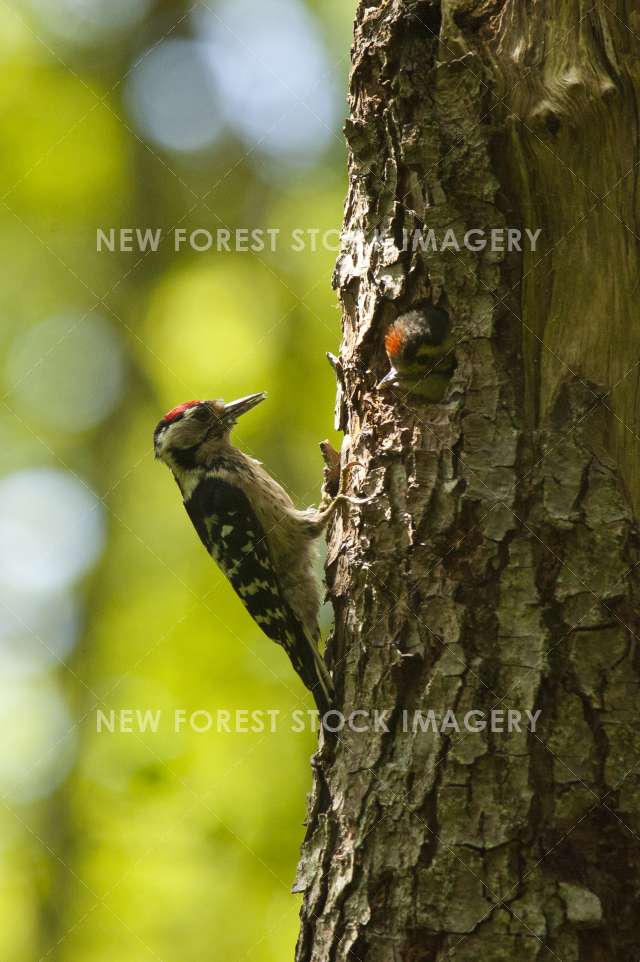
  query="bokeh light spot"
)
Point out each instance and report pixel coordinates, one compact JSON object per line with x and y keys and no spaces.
{"x":68,"y":371}
{"x":277,"y":86}
{"x":171,"y":95}
{"x":38,"y":742}
{"x":36,"y":631}
{"x":219,"y":322}
{"x":51,"y":529}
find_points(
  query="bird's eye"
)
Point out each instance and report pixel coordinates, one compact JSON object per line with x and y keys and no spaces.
{"x":201,"y":414}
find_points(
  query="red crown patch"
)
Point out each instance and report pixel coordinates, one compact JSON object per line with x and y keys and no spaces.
{"x":394,"y":342}
{"x":175,"y":412}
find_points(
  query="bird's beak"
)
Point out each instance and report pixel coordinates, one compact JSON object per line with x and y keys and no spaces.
{"x":389,"y":378}
{"x":234,"y":409}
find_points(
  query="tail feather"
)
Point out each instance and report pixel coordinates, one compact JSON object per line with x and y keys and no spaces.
{"x":312,"y":669}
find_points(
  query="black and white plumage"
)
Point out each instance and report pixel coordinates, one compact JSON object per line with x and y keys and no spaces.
{"x":251,"y":528}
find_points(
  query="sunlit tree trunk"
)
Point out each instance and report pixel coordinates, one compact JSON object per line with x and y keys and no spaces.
{"x":498,"y":566}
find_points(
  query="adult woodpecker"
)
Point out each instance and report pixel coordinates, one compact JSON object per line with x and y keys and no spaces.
{"x":420,"y":347}
{"x":251,"y":528}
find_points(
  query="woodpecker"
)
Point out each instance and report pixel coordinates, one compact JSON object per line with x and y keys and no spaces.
{"x":419,"y":346}
{"x":249,"y":525}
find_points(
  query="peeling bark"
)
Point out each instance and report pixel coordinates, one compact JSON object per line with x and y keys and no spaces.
{"x":498,"y":565}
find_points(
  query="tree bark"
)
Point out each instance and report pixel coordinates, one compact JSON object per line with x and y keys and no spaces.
{"x":498,"y":564}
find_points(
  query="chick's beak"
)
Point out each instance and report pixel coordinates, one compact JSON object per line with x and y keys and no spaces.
{"x":234,"y":409}
{"x":389,"y":379}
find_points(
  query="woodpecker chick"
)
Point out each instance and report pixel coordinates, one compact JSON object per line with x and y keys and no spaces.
{"x":251,"y":528}
{"x":419,"y":346}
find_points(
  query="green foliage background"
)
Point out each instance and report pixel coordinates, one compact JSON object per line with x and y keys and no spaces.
{"x":171,"y":846}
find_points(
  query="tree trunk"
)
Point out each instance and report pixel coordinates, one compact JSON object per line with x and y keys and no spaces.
{"x":498,"y":564}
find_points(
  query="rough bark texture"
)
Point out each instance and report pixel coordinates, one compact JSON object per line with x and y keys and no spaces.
{"x":499,"y":564}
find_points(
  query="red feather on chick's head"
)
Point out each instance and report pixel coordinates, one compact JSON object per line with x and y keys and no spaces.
{"x":394,"y":341}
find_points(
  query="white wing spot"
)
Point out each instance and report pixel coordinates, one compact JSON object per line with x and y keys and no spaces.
{"x":253,"y":588}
